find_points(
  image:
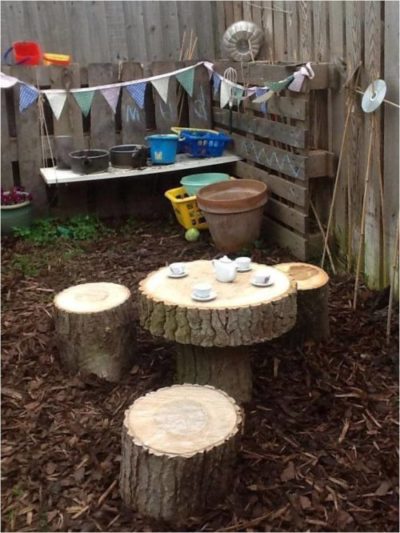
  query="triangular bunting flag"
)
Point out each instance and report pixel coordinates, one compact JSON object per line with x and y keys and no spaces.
{"x":137,"y":91}
{"x":186,"y":79}
{"x":277,"y":86}
{"x":57,"y":102}
{"x":111,"y":94}
{"x":210,"y":68}
{"x":262,"y":95}
{"x":84,"y":100}
{"x":237,"y":93}
{"x":7,"y":81}
{"x":27,"y":96}
{"x":225,"y":93}
{"x":161,"y":85}
{"x":216,"y":82}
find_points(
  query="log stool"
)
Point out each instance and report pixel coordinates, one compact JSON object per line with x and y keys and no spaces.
{"x":312,"y":301}
{"x":179,"y":446}
{"x":95,"y":329}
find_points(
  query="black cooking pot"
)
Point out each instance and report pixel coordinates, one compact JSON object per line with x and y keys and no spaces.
{"x":129,"y":156}
{"x":89,"y":161}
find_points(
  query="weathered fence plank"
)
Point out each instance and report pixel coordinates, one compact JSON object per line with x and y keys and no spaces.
{"x":391,"y":132}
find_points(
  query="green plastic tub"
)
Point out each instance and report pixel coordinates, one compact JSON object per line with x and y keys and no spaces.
{"x":194,"y":182}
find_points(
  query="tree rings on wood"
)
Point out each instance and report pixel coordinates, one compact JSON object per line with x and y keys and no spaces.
{"x":312,"y":302}
{"x":95,"y":329}
{"x":179,"y":446}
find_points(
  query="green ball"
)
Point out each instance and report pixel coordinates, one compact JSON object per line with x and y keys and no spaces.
{"x":192,"y":234}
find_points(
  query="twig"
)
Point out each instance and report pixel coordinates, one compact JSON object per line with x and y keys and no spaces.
{"x":393,"y":272}
{"x":363,"y":212}
{"x":106,"y":493}
{"x":323,"y":235}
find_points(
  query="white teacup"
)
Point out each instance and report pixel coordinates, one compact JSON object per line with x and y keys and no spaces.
{"x":262,"y":276}
{"x":243,"y":263}
{"x":202,"y":290}
{"x":177,"y":269}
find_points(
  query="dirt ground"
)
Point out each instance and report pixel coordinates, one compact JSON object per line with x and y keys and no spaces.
{"x":320,"y":447}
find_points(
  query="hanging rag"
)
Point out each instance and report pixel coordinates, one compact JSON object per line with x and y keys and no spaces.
{"x":300,"y":75}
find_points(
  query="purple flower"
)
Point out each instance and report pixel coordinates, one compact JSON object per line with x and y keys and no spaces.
{"x":15,"y":196}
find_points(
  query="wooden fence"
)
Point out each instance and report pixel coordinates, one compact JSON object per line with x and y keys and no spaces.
{"x":345,"y":34}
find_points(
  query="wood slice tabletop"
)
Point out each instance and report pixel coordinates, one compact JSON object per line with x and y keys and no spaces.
{"x":241,"y":314}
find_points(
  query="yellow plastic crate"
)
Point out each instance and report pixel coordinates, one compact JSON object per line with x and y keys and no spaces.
{"x":178,"y":130}
{"x":185,"y":208}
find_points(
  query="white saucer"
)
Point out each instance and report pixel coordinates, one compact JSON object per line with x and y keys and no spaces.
{"x":211,"y":296}
{"x":257,"y":284}
{"x":244,"y":269}
{"x":177,"y":276}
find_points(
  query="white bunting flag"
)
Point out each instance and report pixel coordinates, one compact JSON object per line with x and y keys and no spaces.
{"x":161,"y":85}
{"x":225,"y":93}
{"x":7,"y":81}
{"x":111,"y":94}
{"x":57,"y":102}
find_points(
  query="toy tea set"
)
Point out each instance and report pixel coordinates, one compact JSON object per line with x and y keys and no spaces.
{"x":225,"y":271}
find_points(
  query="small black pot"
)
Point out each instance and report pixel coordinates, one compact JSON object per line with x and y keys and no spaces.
{"x":89,"y":161}
{"x":129,"y":156}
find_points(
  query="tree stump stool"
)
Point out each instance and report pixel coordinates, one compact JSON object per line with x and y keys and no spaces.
{"x":212,"y":338}
{"x":312,"y":302}
{"x":179,"y":446}
{"x":95,"y":329}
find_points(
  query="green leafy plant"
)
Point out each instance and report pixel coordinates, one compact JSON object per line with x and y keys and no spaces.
{"x":48,"y":230}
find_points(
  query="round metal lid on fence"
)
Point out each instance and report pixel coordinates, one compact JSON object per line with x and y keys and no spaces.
{"x":242,"y":41}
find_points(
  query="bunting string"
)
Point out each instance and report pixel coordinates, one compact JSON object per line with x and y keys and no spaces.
{"x":136,"y":89}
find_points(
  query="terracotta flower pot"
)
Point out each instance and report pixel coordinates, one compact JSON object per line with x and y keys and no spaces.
{"x":233,"y":211}
{"x":16,"y":216}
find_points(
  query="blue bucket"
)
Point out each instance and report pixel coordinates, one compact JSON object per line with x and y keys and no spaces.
{"x":163,"y":148}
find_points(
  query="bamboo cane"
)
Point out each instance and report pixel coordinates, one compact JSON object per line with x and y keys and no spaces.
{"x":346,"y":125}
{"x":382,"y":205}
{"x":393,"y":272}
{"x":363,"y":212}
{"x":349,"y":216}
{"x":323,"y":235}
{"x":350,"y":103}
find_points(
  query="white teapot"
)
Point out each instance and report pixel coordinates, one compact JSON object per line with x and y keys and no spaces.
{"x":225,"y":269}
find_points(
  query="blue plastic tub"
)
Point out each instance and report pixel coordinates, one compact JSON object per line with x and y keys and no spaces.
{"x":194,"y":182}
{"x":204,"y":143}
{"x":163,"y":148}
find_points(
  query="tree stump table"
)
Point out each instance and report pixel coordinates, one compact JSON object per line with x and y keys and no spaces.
{"x":213,"y":338}
{"x":312,"y":302}
{"x":95,"y":330}
{"x":179,"y":446}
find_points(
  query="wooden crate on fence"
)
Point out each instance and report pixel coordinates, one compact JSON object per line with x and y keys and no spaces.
{"x":281,"y":149}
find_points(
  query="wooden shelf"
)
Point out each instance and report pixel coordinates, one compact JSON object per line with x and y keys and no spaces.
{"x":53,"y":175}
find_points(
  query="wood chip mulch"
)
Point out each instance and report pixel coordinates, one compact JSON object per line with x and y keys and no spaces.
{"x":320,"y":447}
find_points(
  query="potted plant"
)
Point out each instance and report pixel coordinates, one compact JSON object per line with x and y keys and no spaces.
{"x":16,"y":210}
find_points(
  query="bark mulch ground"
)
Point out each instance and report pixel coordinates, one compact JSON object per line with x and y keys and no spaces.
{"x":320,"y":444}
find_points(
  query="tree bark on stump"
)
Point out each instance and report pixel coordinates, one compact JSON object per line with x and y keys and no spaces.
{"x":228,"y":369}
{"x":241,"y":315}
{"x":312,"y":321}
{"x":179,"y":447}
{"x":95,"y":329}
